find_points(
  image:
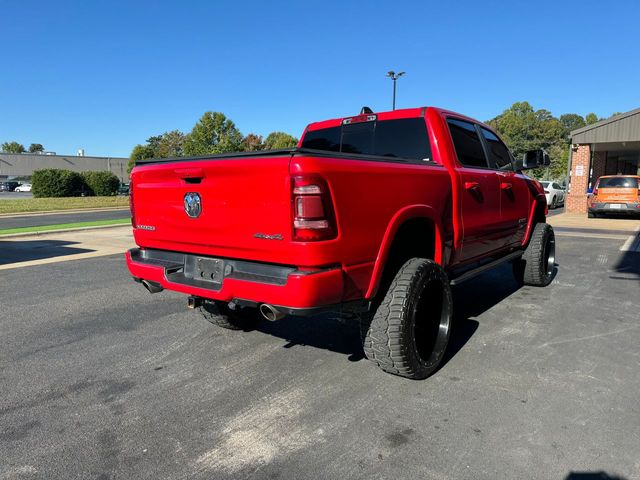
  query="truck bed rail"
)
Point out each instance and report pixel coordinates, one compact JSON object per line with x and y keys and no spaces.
{"x":289,"y":151}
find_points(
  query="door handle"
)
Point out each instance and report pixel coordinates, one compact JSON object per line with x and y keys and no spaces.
{"x":505,"y":185}
{"x":471,"y":185}
{"x":190,"y":175}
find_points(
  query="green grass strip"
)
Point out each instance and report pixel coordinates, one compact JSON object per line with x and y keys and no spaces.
{"x":26,"y":205}
{"x":62,"y":226}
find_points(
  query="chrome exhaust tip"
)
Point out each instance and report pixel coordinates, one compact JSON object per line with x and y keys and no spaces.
{"x":271,"y":313}
{"x":152,"y":287}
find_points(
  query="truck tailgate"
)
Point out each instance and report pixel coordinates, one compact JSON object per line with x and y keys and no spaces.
{"x":245,"y":207}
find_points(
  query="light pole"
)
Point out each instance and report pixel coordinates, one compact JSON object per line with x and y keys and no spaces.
{"x":394,"y":76}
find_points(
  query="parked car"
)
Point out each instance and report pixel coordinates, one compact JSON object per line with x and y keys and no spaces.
{"x":372,"y":216}
{"x":618,"y":194}
{"x":8,"y":186}
{"x":25,"y":187}
{"x":555,"y":194}
{"x":123,"y":189}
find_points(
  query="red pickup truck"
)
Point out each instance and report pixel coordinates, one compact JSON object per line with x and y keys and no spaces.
{"x":373,"y":216}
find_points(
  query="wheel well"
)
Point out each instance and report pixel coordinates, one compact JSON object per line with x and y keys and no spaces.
{"x":414,"y":238}
{"x":539,"y":216}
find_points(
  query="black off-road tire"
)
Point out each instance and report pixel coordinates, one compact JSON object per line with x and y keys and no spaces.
{"x":218,"y":313}
{"x":409,"y":332}
{"x":592,"y":215}
{"x":536,"y":266}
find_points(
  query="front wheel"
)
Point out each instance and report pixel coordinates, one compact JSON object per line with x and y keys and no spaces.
{"x":538,"y":260}
{"x":409,"y":332}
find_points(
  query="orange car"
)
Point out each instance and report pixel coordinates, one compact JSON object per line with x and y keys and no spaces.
{"x":615,"y":194}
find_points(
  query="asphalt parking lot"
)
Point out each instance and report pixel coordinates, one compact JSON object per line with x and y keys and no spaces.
{"x":40,"y":220}
{"x":15,"y":195}
{"x":101,"y":380}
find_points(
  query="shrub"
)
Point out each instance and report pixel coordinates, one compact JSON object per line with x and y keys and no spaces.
{"x":101,"y":184}
{"x":55,"y":182}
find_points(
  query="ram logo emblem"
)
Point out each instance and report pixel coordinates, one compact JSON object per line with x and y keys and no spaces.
{"x":192,"y":204}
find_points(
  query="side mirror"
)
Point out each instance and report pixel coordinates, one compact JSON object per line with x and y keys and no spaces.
{"x":535,"y":159}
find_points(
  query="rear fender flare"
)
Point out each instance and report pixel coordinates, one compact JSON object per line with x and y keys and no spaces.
{"x":402,"y":216}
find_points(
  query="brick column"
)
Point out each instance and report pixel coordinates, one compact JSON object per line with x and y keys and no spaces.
{"x":599,"y":165}
{"x":577,"y":199}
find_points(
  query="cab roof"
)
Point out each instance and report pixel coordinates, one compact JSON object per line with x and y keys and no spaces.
{"x":392,"y":115}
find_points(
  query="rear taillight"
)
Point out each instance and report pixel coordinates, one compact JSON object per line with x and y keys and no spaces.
{"x":313,"y":215}
{"x":595,"y":191}
{"x":131,"y":206}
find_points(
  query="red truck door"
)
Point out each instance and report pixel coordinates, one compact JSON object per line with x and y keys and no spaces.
{"x":514,"y":192}
{"x":483,"y":231}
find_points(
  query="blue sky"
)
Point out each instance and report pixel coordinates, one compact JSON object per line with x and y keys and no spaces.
{"x":105,"y":75}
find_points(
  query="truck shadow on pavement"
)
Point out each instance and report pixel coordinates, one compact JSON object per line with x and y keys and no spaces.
{"x":629,"y":261}
{"x":471,"y":299}
{"x":329,"y":332}
{"x":29,"y":250}
{"x":592,"y":476}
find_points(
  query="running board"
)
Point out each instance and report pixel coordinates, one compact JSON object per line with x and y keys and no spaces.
{"x":469,"y":274}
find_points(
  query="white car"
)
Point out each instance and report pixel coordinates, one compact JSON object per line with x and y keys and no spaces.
{"x":555,"y":194}
{"x":25,"y":187}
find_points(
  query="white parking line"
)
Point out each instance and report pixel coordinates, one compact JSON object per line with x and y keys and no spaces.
{"x":591,"y":235}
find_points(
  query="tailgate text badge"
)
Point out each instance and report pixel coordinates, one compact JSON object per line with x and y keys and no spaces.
{"x":264,"y":236}
{"x":192,"y":204}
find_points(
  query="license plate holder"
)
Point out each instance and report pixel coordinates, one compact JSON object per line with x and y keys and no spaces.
{"x":615,"y":206}
{"x":209,"y":269}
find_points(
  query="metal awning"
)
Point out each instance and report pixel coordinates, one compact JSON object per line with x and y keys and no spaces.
{"x":621,"y":128}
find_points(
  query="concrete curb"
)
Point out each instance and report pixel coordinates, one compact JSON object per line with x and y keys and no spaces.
{"x":62,"y":230}
{"x":61,"y":212}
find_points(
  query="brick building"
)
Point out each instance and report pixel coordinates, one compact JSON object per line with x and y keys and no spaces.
{"x":608,"y":147}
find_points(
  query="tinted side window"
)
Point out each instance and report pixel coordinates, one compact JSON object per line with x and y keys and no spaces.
{"x":325,"y":139}
{"x":498,"y":152}
{"x":467,"y":143}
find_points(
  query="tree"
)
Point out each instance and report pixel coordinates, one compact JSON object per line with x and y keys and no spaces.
{"x":13,"y":147}
{"x":524,"y":128}
{"x":213,"y":133}
{"x":571,"y":122}
{"x":169,"y":144}
{"x":36,"y":147}
{"x":591,"y":118}
{"x":252,"y":143}
{"x":278,"y":140}
{"x":139,"y":152}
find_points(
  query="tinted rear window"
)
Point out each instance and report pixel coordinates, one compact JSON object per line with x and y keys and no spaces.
{"x":403,"y":138}
{"x":618,"y":182}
